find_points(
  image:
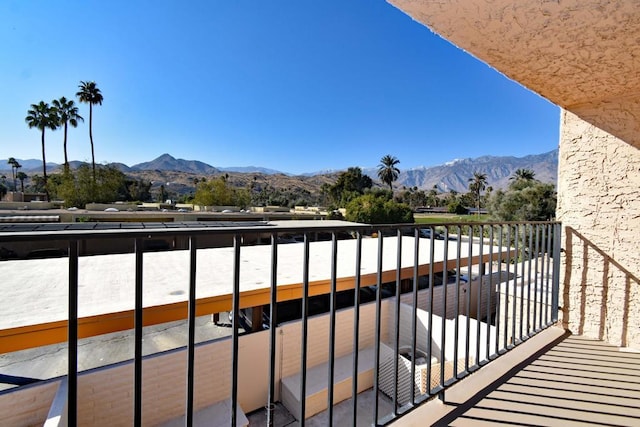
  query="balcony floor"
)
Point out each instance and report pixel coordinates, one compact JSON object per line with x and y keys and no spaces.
{"x":553,"y":379}
{"x":571,"y":381}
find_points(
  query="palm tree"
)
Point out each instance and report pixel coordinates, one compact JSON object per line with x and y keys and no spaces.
{"x":477,"y":184}
{"x":14,"y":168}
{"x":90,"y":94}
{"x":42,"y":116}
{"x":523,"y":175}
{"x":22,"y":176}
{"x":67,"y":115}
{"x":387,"y":170}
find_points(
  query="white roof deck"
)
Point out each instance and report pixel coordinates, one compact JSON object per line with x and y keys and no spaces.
{"x":35,"y":292}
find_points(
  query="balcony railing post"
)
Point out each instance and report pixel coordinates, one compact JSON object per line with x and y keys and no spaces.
{"x":72,"y":337}
{"x":456,"y":321}
{"x":429,"y":336}
{"x":137,"y":387}
{"x":543,"y":276}
{"x":305,"y":330}
{"x":514,"y":314}
{"x":237,"y":241}
{"x":555,"y":293}
{"x":490,"y":289}
{"x":191,"y":322}
{"x":356,"y":328}
{"x":414,"y":317}
{"x":499,"y":293}
{"x":468,"y":299}
{"x":332,"y":325}
{"x":530,"y":262}
{"x":376,"y":363}
{"x":273,"y":324}
{"x":443,"y":329}
{"x":396,"y":335}
{"x":548,"y":285}
{"x":536,"y":325}
{"x":479,"y":301}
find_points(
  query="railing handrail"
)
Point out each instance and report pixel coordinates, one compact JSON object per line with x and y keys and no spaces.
{"x":172,"y":229}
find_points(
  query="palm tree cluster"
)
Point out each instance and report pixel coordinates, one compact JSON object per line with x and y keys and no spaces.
{"x":15,"y":165}
{"x":477,"y":184}
{"x":62,"y":113}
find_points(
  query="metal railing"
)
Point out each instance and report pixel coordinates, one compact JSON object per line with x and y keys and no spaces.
{"x":453,"y":322}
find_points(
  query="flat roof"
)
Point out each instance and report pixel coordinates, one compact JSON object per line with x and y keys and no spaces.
{"x":35,"y":292}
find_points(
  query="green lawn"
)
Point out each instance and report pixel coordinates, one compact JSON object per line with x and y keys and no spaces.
{"x":447,"y":218}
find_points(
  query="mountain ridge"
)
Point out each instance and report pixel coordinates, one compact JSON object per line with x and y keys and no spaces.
{"x":452,"y":175}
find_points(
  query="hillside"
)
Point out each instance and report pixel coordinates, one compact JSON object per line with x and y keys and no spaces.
{"x":455,"y":175}
{"x":177,"y":175}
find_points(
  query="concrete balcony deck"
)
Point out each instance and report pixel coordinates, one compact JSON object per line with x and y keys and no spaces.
{"x":570,"y":381}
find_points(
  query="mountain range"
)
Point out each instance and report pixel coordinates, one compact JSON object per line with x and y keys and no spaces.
{"x":452,"y":175}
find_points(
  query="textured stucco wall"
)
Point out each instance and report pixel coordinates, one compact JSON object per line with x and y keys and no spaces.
{"x":599,"y":205}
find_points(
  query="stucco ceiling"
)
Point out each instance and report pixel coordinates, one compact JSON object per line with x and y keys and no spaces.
{"x":583,"y":55}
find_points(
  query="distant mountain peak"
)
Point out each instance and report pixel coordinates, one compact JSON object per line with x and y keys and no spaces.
{"x":454,"y":175}
{"x":453,"y":162}
{"x":169,"y":163}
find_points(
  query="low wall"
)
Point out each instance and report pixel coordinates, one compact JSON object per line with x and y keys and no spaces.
{"x":28,"y":206}
{"x":105,"y":395}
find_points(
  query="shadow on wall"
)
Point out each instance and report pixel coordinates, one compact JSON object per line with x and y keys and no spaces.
{"x":598,"y":290}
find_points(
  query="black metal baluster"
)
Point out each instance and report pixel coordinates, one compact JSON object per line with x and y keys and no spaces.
{"x":305,"y":330}
{"x":414,"y":318}
{"x":376,"y":364}
{"x":332,"y":325}
{"x":273,"y":324}
{"x":530,"y":261}
{"x":505,"y":345}
{"x":430,"y":318}
{"x":536,"y":326}
{"x":479,"y":293}
{"x":72,"y":337}
{"x":396,"y":337}
{"x":137,"y":388}
{"x":543,"y":275}
{"x":443,"y":329}
{"x":555,"y":291}
{"x":515,"y":285}
{"x":522,"y":276}
{"x":468,"y":298}
{"x":489,"y":292}
{"x":356,"y":328}
{"x":191,"y":322}
{"x":499,"y":293}
{"x":237,"y":241}
{"x":456,"y":321}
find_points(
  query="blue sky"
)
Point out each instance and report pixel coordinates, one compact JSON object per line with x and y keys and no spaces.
{"x":297,"y":85}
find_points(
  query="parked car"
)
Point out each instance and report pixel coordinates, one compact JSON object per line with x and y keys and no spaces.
{"x":426,"y":233}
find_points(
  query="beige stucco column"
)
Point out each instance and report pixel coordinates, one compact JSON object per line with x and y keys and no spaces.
{"x":599,"y":205}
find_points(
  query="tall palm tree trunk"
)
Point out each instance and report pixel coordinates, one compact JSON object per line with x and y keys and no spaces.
{"x":93,"y":156}
{"x":66,"y":160}
{"x":44,"y":167}
{"x":13,"y":174}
